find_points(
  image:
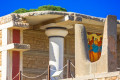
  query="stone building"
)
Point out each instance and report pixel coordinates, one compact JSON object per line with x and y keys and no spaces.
{"x":30,"y":41}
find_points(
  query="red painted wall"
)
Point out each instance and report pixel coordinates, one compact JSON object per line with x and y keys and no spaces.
{"x":15,"y":64}
{"x":16,"y":55}
{"x":16,"y":36}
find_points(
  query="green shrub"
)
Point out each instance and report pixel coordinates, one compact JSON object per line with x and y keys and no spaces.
{"x":31,"y":10}
{"x":51,"y":7}
{"x":21,"y":10}
{"x":41,"y":8}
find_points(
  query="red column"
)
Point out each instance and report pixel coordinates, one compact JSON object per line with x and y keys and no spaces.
{"x":15,"y":64}
{"x":16,"y":36}
{"x":16,"y":55}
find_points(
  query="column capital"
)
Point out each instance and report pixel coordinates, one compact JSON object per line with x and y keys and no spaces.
{"x":56,"y":32}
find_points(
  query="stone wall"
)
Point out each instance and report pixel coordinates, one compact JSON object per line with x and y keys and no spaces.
{"x":36,"y":60}
{"x":100,"y":76}
{"x":118,"y":51}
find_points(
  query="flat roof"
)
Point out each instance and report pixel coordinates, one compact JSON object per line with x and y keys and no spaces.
{"x":38,"y":19}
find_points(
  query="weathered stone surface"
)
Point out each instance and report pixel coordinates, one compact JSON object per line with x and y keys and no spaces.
{"x":82,"y":63}
{"x":21,"y":17}
{"x":108,"y":60}
{"x":15,"y":46}
{"x":103,"y":76}
{"x":36,"y":60}
{"x":21,"y":46}
{"x":118,"y":52}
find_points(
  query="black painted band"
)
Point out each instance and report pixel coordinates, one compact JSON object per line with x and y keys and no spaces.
{"x":56,"y":28}
{"x":55,"y":36}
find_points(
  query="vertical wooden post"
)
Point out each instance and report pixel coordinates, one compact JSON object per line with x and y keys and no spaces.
{"x":20,"y":75}
{"x":68,"y":69}
{"x":48,"y":72}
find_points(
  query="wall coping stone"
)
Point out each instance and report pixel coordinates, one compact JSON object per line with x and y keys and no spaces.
{"x":15,"y":46}
{"x":21,"y":17}
{"x":96,"y":76}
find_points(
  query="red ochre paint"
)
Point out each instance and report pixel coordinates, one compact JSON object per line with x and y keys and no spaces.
{"x":16,"y":55}
{"x":16,"y":36}
{"x":15,"y":64}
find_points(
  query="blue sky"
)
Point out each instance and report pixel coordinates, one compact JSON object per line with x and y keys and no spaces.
{"x":98,"y":8}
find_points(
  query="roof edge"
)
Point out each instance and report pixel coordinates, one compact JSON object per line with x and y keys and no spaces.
{"x":21,"y":17}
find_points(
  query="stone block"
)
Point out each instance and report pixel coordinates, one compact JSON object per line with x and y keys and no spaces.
{"x":82,"y":63}
{"x":108,"y":59}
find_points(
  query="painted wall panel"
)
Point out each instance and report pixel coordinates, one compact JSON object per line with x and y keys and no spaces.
{"x":15,"y":64}
{"x":16,"y":36}
{"x":16,"y":55}
{"x":94,"y":46}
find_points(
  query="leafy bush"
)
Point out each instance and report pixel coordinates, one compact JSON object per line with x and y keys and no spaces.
{"x":41,"y":8}
{"x":31,"y":10}
{"x":51,"y":7}
{"x":21,"y":10}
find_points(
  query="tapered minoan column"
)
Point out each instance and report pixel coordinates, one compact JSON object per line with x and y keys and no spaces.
{"x":56,"y":48}
{"x":108,"y":60}
{"x":82,"y":64}
{"x":12,"y":51}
